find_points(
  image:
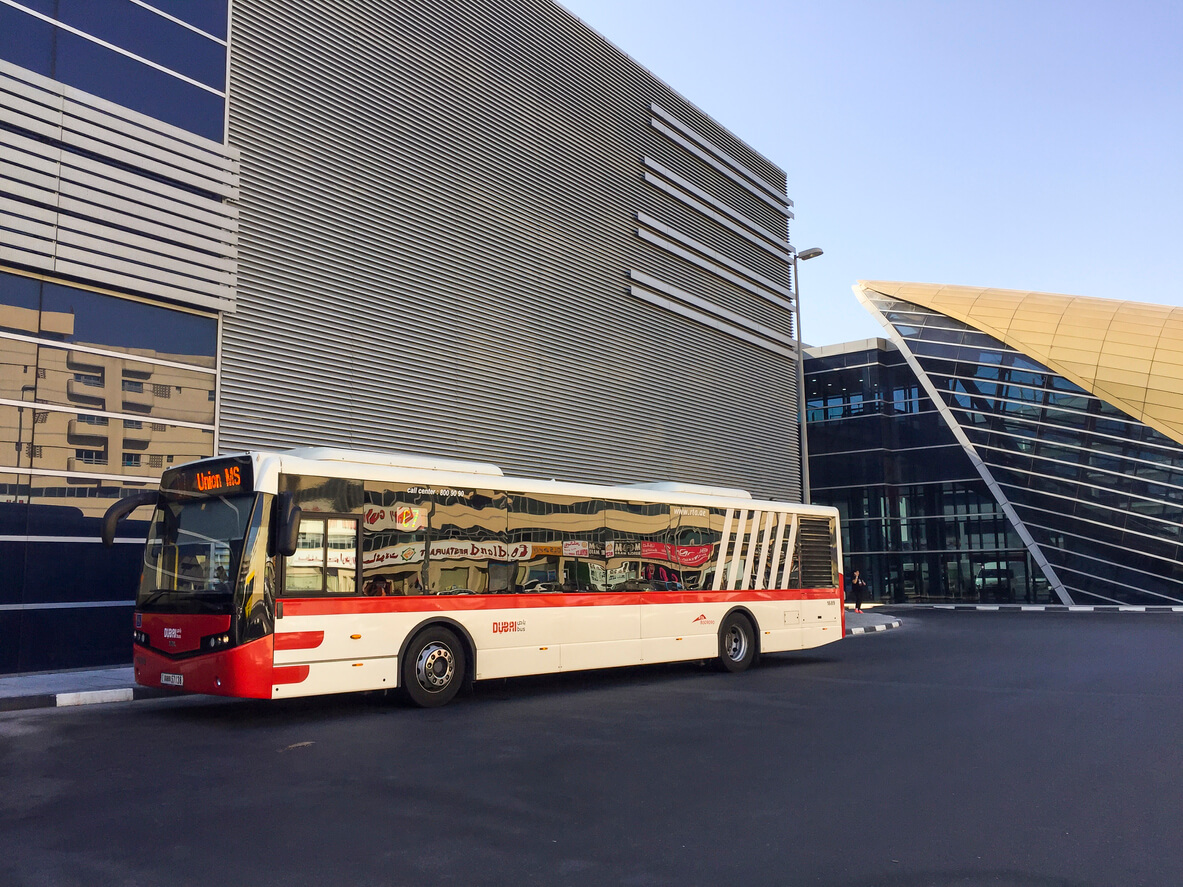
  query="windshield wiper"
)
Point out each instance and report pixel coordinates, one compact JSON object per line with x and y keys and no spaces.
{"x":196,"y":595}
{"x":153,"y":596}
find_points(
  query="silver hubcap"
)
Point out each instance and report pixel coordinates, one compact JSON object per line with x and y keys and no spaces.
{"x":736,"y":643}
{"x":435,"y":667}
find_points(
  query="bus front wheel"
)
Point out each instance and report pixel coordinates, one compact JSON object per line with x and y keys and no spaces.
{"x":737,"y":643}
{"x":433,"y":668}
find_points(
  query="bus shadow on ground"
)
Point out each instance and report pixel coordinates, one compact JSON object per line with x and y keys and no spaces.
{"x":255,"y":713}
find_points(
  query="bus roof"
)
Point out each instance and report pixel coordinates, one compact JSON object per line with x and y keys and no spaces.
{"x":430,"y":471}
{"x":394,"y":460}
{"x":666,"y":486}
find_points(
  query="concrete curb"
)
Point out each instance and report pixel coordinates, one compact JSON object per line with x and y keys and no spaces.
{"x":1047,"y":608}
{"x":86,"y":697}
{"x":871,"y":629}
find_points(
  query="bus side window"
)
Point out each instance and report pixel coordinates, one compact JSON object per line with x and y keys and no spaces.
{"x":304,"y":571}
{"x":325,"y":561}
{"x":341,"y":557}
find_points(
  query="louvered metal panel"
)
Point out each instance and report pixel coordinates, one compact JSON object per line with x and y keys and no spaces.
{"x":815,"y":560}
{"x":439,"y":224}
{"x":96,"y":192}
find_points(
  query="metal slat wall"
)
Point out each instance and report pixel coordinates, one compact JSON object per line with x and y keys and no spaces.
{"x":815,"y":553}
{"x":95,"y":192}
{"x":466,"y":230}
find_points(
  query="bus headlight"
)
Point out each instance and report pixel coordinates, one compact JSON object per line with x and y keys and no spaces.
{"x":141,"y":637}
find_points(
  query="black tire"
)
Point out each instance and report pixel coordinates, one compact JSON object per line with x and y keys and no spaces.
{"x":433,"y":668}
{"x":737,"y":643}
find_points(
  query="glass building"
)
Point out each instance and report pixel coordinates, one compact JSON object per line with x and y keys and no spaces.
{"x":468,"y":230}
{"x":918,"y":521}
{"x":1070,"y":412}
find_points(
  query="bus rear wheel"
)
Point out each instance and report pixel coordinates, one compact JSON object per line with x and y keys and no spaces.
{"x":433,"y":668}
{"x":737,"y":643}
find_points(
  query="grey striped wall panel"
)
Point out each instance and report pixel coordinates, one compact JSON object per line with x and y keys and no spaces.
{"x":95,"y":192}
{"x":447,"y":211}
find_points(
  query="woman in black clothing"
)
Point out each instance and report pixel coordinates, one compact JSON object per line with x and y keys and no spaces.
{"x":859,"y":587}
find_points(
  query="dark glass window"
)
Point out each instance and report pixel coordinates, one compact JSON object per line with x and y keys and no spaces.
{"x":91,"y":457}
{"x":1079,"y":403}
{"x":936,"y":334}
{"x":16,"y":434}
{"x":209,"y":15}
{"x":19,"y":292}
{"x":111,"y":322}
{"x":1062,"y":384}
{"x":847,"y":469}
{"x":27,"y":41}
{"x":70,"y":442}
{"x":95,"y":69}
{"x":45,"y":7}
{"x":148,"y":35}
{"x":79,"y":379}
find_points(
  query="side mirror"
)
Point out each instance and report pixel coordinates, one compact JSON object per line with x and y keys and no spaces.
{"x":287,"y":524}
{"x":122,"y":509}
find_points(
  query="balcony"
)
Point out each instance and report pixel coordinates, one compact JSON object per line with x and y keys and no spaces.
{"x":87,"y":434}
{"x":86,"y":392}
{"x":81,"y":362}
{"x":88,"y":464}
{"x":137,"y":397}
{"x":137,"y":435}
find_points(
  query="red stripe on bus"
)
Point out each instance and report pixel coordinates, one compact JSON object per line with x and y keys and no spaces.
{"x":289,"y":674}
{"x":432,"y":603}
{"x":733,"y":597}
{"x":298,"y":640}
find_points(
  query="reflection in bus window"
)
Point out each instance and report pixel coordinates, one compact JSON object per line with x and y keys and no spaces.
{"x":325,"y":561}
{"x":192,"y":554}
{"x":429,"y":541}
{"x":558,"y":542}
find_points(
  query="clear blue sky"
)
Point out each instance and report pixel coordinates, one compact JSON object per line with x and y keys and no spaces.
{"x":1026,"y":145}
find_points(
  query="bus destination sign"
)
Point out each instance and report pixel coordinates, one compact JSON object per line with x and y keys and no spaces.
{"x":216,"y":477}
{"x":212,"y":480}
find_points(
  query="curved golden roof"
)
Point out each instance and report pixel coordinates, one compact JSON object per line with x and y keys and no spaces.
{"x":1127,"y":353}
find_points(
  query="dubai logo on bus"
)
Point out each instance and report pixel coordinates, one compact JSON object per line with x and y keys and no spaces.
{"x":509,"y":627}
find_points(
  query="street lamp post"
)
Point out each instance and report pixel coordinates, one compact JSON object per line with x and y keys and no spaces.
{"x":804,"y":255}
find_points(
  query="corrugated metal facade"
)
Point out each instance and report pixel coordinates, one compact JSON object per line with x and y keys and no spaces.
{"x":476,"y":229}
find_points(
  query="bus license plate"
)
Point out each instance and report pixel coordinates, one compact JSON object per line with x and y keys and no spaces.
{"x":172,"y":680}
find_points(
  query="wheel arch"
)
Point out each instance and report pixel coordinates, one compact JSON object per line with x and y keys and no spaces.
{"x":751,"y":617}
{"x":449,"y":623}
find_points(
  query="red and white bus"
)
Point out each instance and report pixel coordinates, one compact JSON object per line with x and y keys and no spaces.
{"x":277,"y":574}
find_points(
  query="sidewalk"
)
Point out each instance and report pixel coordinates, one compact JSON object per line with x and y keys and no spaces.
{"x":62,"y":688}
{"x":869,"y":621}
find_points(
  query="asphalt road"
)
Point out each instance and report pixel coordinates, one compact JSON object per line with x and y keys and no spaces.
{"x":1022,"y":750}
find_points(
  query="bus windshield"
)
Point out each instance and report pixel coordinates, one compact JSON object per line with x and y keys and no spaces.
{"x":193,"y":553}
